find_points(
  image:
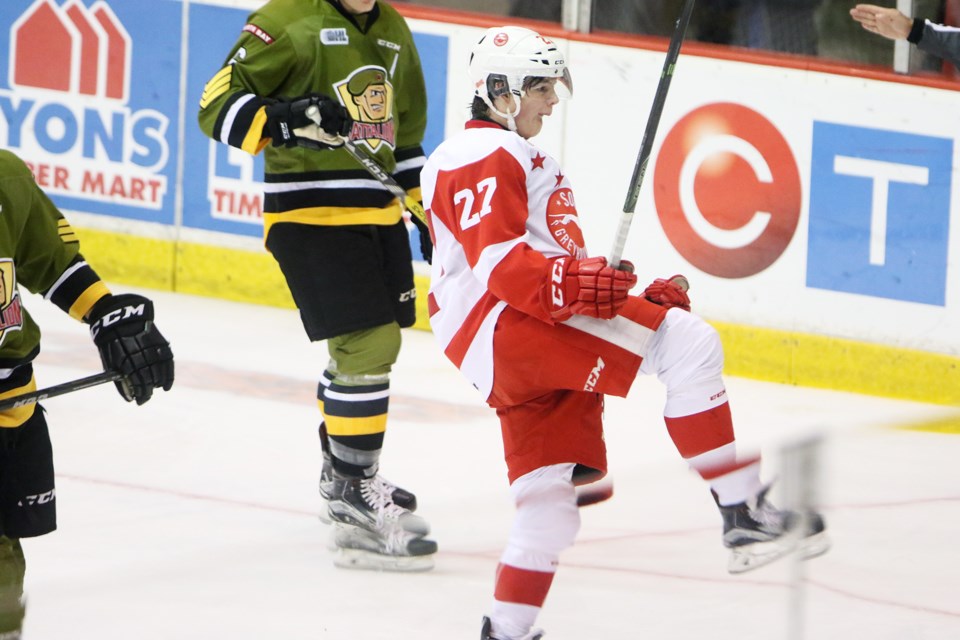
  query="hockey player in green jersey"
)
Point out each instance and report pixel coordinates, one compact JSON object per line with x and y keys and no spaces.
{"x":338,"y":235}
{"x":40,"y":252}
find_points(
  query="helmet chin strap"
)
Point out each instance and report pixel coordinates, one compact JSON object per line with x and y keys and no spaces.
{"x":509,"y":117}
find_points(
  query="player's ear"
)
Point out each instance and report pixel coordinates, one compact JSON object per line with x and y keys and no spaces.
{"x":505,"y":103}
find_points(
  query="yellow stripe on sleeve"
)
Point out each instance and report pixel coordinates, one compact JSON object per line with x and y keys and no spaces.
{"x":82,"y":305}
{"x":254,"y":142}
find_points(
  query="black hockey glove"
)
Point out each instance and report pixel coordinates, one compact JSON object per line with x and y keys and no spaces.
{"x":123,"y":330}
{"x":426,"y":242}
{"x":313,"y":121}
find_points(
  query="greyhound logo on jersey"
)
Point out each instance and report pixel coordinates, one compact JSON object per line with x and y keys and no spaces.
{"x":563,"y":223}
{"x":368,"y":96}
{"x":11,"y":315}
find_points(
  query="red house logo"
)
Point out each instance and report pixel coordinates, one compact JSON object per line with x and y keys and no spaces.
{"x":71,"y":48}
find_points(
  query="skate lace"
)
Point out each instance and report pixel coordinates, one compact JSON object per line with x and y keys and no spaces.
{"x":379,"y":494}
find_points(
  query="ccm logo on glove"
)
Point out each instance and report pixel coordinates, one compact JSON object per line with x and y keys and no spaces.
{"x":587,"y":287}
{"x":117,"y":315}
{"x":557,"y":278}
{"x":123,"y":330}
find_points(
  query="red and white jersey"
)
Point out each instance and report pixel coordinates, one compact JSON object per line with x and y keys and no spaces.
{"x":499,"y":208}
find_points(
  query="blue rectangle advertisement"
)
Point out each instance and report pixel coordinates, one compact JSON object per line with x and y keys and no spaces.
{"x":879,"y":213}
{"x":90,"y":102}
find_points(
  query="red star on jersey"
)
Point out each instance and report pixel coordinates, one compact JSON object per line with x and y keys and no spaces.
{"x":538,"y":161}
{"x":559,"y":179}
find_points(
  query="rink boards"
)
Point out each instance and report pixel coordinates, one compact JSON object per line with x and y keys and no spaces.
{"x":811,"y":207}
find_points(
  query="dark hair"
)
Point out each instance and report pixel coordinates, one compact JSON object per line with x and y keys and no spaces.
{"x":479,"y":109}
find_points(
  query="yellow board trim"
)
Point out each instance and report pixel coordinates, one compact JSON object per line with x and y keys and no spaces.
{"x":765,"y":354}
{"x":833,"y":363}
{"x":949,"y":425}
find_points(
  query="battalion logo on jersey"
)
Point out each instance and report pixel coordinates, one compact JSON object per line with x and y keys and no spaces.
{"x":564,"y":224}
{"x":11,"y":315}
{"x":368,"y":95}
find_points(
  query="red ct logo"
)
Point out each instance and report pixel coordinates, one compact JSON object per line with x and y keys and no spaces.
{"x":727,"y":190}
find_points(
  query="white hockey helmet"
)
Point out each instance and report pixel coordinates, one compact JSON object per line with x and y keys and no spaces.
{"x":506,"y":56}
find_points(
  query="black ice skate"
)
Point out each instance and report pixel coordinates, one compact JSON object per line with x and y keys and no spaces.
{"x":373,"y":532}
{"x":401,"y":497}
{"x":757,"y":533}
{"x":535,"y":634}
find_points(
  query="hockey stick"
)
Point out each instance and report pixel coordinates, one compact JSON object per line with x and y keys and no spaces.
{"x":58,"y":390}
{"x":374,"y":169}
{"x":653,"y":121}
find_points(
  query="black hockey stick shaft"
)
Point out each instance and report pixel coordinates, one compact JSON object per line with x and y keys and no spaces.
{"x":653,"y":121}
{"x":58,"y":390}
{"x":374,"y":169}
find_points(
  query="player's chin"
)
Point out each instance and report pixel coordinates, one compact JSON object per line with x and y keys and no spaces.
{"x":531,"y":130}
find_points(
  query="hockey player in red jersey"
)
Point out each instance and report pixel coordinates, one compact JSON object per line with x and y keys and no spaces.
{"x":544,"y":332}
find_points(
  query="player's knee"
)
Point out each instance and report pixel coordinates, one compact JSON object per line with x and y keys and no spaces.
{"x":366,"y":352}
{"x":547,"y":516}
{"x":701,"y":341}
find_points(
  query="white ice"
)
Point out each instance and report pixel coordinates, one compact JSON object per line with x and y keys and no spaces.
{"x":195,"y":515}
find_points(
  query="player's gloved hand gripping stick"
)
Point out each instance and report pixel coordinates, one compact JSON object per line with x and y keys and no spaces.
{"x":670,"y":292}
{"x":134,"y":353}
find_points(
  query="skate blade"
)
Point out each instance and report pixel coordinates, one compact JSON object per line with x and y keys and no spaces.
{"x":814,"y":546}
{"x":410,"y":522}
{"x":331,"y":544}
{"x":360,"y":559}
{"x":324,"y":514}
{"x":760,"y":554}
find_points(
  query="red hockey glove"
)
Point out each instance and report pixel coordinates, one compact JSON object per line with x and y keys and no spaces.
{"x":671,"y":292}
{"x":586,"y":287}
